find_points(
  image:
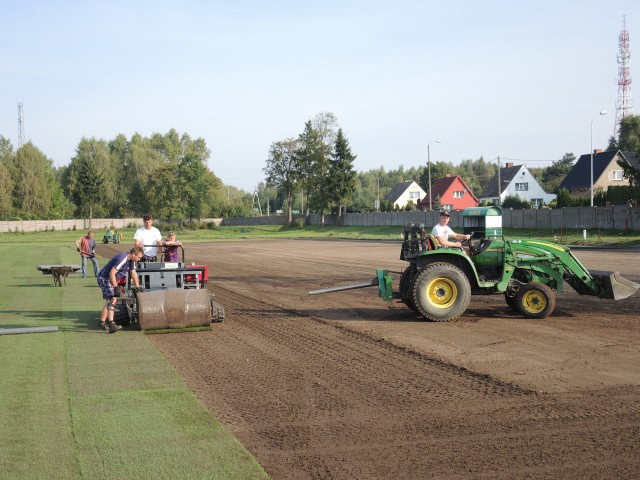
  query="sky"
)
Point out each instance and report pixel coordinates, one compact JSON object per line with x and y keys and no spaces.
{"x":487,"y":79}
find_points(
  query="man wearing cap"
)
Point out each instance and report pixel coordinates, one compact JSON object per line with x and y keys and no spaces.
{"x":442,"y":231}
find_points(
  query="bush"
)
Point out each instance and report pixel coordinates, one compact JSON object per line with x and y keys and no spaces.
{"x":512,"y":201}
{"x":299,"y":223}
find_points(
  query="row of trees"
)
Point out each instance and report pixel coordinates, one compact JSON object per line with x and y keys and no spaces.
{"x":167,"y":174}
{"x":164,"y":174}
{"x":291,"y":161}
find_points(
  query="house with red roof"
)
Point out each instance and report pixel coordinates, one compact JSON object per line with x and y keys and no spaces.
{"x":449,"y":193}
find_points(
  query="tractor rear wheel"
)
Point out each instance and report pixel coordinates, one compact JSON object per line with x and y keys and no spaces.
{"x":535,"y":300}
{"x":441,"y":292}
{"x":406,"y":289}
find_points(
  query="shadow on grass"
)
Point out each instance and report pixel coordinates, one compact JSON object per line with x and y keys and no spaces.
{"x":80,"y":321}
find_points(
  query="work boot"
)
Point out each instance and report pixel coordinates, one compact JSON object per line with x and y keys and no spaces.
{"x":113,"y":328}
{"x":102,"y":325}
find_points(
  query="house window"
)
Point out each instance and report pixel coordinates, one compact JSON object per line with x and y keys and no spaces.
{"x":458,"y":194}
{"x":536,"y":202}
{"x":617,"y":175}
{"x":522,"y":187}
{"x":414,"y":195}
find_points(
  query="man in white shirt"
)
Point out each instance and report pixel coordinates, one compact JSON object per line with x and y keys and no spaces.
{"x":443,"y":232}
{"x":148,"y":238}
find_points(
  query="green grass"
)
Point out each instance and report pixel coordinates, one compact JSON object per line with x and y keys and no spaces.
{"x":80,"y":403}
{"x":566,"y":237}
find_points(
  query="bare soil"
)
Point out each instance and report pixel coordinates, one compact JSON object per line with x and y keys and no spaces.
{"x":345,"y":385}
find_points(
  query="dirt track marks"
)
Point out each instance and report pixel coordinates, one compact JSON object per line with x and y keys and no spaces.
{"x":313,"y":399}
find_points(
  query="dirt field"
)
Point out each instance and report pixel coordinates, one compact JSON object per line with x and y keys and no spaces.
{"x":346,"y":386}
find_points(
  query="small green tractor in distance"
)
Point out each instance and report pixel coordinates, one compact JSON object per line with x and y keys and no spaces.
{"x":111,"y":236}
{"x":439,"y":281}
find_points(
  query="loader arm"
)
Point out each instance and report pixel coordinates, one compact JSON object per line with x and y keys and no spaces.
{"x":553,"y":263}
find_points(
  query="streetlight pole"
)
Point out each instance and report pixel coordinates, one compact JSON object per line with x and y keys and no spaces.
{"x":604,"y":112}
{"x":429,"y":170}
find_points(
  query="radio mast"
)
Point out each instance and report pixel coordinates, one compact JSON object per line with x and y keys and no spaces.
{"x":624,"y":103}
{"x":20,"y":125}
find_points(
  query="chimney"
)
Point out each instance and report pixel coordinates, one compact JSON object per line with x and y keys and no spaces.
{"x":448,"y":175}
{"x":597,"y":151}
{"x":508,"y":164}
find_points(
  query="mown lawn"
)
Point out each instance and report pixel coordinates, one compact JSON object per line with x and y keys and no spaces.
{"x":81,"y":403}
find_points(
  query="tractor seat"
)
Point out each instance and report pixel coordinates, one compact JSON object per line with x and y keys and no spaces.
{"x":432,"y":242}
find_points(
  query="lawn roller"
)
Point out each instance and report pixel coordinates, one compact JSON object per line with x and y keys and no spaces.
{"x":172,"y":295}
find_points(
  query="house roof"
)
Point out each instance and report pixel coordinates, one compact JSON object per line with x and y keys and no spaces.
{"x":579,"y":177}
{"x":506,"y":175}
{"x":633,"y":158}
{"x":397,"y":191}
{"x":442,"y":185}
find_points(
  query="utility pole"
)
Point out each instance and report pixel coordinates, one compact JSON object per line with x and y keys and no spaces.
{"x":499,"y":184}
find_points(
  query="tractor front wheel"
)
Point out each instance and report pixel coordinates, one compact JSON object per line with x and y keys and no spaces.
{"x":441,"y":292}
{"x":511,"y":303}
{"x":535,"y":300}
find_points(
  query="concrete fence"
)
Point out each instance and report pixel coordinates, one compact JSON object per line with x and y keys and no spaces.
{"x":617,"y":217}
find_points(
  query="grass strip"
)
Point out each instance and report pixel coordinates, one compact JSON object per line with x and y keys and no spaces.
{"x":80,"y":403}
{"x":595,"y":237}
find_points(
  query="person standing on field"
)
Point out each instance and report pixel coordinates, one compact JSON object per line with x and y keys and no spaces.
{"x":88,"y":251}
{"x":149,"y":239}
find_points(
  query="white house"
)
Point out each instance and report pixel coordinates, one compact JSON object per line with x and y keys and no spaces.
{"x":403,"y":192}
{"x":515,"y":181}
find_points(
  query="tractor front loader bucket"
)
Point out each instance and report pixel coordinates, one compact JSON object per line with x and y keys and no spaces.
{"x":174,"y":309}
{"x":614,"y":286}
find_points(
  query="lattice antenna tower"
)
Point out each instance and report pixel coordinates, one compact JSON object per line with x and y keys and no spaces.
{"x":20,"y":125}
{"x":624,"y":103}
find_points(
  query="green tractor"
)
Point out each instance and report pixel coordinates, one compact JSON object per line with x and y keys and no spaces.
{"x":439,"y":281}
{"x":111,"y":236}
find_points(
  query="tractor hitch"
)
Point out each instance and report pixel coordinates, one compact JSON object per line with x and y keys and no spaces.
{"x":382,"y":280}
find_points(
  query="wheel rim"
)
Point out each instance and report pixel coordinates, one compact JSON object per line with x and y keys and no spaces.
{"x":442,"y":292}
{"x":534,"y":302}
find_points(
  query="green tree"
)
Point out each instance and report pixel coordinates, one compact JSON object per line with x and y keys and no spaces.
{"x":283,"y":170}
{"x":629,"y":141}
{"x":341,"y":176}
{"x":84,"y":181}
{"x":6,"y":181}
{"x":34,"y":177}
{"x":312,"y":164}
{"x":197,"y":184}
{"x":553,"y":175}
